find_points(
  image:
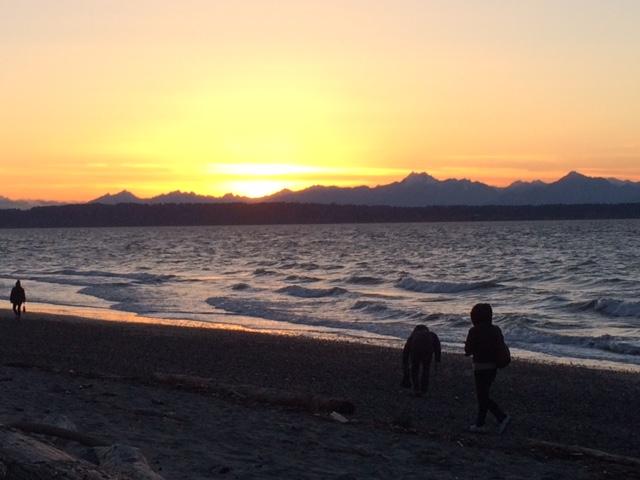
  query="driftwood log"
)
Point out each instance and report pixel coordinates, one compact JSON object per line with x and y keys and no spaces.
{"x":125,"y":462}
{"x":575,"y":450}
{"x":273,"y":396}
{"x":24,"y":458}
{"x":53,"y":431}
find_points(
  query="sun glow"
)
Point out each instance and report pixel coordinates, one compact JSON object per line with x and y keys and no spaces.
{"x":250,"y":97}
{"x":259,"y":188}
{"x":260,"y":179}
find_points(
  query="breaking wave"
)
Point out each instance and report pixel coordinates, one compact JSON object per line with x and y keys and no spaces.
{"x":612,"y":307}
{"x":428,"y":286}
{"x":303,"y":292}
{"x":141,"y":277}
{"x":526,"y":335}
{"x":364,"y":280}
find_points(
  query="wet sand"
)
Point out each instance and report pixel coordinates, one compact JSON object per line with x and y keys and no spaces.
{"x":100,"y":375}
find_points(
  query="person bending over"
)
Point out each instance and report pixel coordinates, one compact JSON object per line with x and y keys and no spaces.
{"x":17,"y":298}
{"x":422,"y":345}
{"x":485,"y":343}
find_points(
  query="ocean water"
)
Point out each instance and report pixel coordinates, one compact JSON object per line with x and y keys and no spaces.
{"x":566,"y":290}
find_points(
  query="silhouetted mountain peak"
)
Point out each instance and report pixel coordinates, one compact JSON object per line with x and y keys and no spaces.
{"x":524,"y":183}
{"x":123,"y":196}
{"x":417,"y":178}
{"x":573,"y":176}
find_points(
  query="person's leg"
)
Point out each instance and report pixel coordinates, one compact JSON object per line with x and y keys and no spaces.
{"x":491,"y":405}
{"x":483,"y":383}
{"x":426,"y":367}
{"x":16,"y":309}
{"x":415,"y":374}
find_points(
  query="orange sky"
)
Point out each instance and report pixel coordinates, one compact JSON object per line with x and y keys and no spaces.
{"x":255,"y":96}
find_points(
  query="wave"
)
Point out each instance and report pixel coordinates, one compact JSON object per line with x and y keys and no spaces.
{"x":308,"y":266}
{"x":264,"y":272}
{"x":123,"y":297}
{"x":302,"y":292}
{"x":427,"y":286}
{"x":383,"y":311}
{"x":268,"y":310}
{"x":113,"y":292}
{"x":527,"y":335}
{"x":301,"y":278}
{"x":281,"y":312}
{"x":240,"y":286}
{"x":368,"y":306}
{"x":141,"y":277}
{"x":364,"y":280}
{"x":610,"y":306}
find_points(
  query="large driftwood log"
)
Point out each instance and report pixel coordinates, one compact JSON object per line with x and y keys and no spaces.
{"x":273,"y":396}
{"x":53,"y":431}
{"x":24,"y":458}
{"x":586,"y":452}
{"x":125,"y":460}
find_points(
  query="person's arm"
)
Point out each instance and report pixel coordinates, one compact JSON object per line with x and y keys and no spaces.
{"x":405,"y":353}
{"x":406,"y":372}
{"x":469,"y":343}
{"x":437,"y":350}
{"x":499,"y":339}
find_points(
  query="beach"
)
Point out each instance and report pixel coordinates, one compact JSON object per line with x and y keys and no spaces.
{"x":106,"y":379}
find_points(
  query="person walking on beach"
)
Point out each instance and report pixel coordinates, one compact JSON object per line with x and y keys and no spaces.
{"x":17,"y":298}
{"x":422,"y":345}
{"x":486,"y":344}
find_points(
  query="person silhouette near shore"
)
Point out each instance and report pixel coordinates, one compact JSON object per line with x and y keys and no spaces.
{"x":486,"y":344}
{"x":421,"y":346}
{"x":17,"y":299}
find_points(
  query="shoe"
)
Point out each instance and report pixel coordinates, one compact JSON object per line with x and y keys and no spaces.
{"x":503,"y":424}
{"x":478,"y":429}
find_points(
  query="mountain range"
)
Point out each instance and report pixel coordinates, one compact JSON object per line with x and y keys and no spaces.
{"x":415,"y":190}
{"x":421,"y":189}
{"x":25,"y":204}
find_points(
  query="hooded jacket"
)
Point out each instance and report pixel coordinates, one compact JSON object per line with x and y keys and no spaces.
{"x":484,"y":342}
{"x":421,"y":344}
{"x":17,"y":295}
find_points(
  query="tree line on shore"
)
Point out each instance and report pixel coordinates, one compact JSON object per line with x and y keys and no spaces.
{"x":130,"y":215}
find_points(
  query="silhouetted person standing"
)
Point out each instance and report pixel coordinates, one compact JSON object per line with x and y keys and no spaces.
{"x":17,"y":298}
{"x":422,"y":345}
{"x":486,"y":343}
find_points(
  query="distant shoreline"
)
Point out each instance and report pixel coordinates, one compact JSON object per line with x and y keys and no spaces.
{"x":141,"y":215}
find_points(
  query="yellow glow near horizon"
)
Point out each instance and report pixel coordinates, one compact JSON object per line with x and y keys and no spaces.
{"x":250,"y":97}
{"x":257,"y":180}
{"x":258,"y":188}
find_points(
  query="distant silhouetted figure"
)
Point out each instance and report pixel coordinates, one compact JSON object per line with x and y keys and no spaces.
{"x":17,"y":298}
{"x":422,"y":345}
{"x":486,"y":343}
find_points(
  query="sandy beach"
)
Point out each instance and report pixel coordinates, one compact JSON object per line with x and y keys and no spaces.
{"x":102,"y":378}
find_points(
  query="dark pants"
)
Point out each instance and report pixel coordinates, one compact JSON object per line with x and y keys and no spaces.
{"x":484,"y":379}
{"x":420,"y":367}
{"x":17,"y":309}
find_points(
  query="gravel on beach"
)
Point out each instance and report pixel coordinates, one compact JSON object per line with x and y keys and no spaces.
{"x":571,"y":405}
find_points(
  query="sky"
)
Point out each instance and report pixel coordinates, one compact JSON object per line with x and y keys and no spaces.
{"x":253,"y":96}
